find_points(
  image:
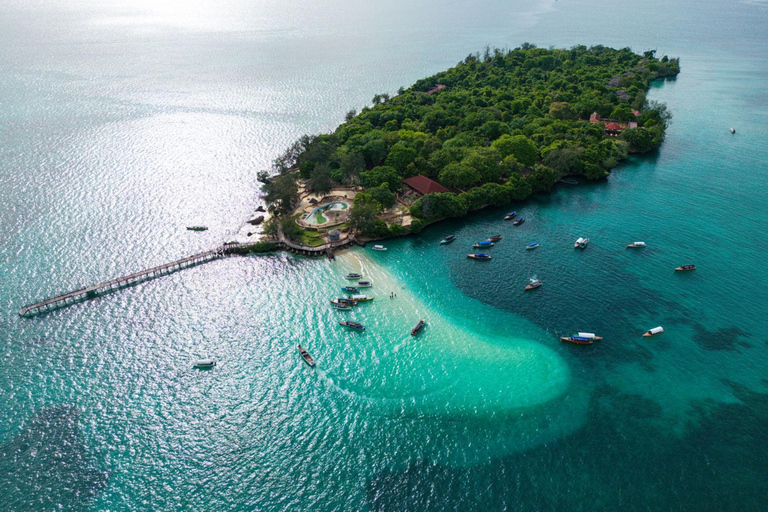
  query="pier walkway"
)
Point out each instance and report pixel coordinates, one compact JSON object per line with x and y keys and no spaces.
{"x":97,"y":290}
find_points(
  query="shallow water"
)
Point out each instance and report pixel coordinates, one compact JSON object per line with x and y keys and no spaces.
{"x":121,"y":125}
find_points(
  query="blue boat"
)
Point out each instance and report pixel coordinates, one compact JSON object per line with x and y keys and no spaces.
{"x":350,"y":289}
{"x":479,"y":256}
{"x":510,"y":216}
{"x":483,"y":244}
{"x":532,"y":246}
{"x":519,"y":221}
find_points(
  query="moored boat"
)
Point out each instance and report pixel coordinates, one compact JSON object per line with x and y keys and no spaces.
{"x":307,"y":358}
{"x":350,"y":289}
{"x":204,"y":363}
{"x":531,"y":246}
{"x":535,"y":283}
{"x":589,"y":335}
{"x":479,"y":256}
{"x":580,"y":243}
{"x":379,"y":248}
{"x":344,"y":300}
{"x":494,"y":238}
{"x":418,"y":327}
{"x":510,"y":216}
{"x":341,"y":307}
{"x":653,"y":332}
{"x":364,"y":284}
{"x":579,"y":340}
{"x":361,"y":298}
{"x":685,"y":268}
{"x":353,"y":325}
{"x":569,"y":181}
{"x":197,"y":228}
{"x":518,"y":221}
{"x":636,"y":245}
{"x":353,"y":275}
{"x":732,"y":130}
{"x":483,"y":245}
{"x":448,"y":239}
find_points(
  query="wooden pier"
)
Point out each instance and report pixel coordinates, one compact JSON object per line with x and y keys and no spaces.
{"x":119,"y":283}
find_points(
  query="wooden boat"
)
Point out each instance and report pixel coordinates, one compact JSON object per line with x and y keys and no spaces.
{"x":197,"y":228}
{"x":364,"y":284}
{"x":379,"y":248}
{"x":361,"y":298}
{"x":653,"y":332}
{"x":342,"y":307}
{"x":577,"y":340}
{"x":569,"y":181}
{"x":448,"y":239}
{"x":479,"y":256}
{"x":535,"y":283}
{"x":636,"y":245}
{"x":581,"y":243}
{"x":531,"y":246}
{"x":350,"y":289}
{"x":307,"y":358}
{"x":205,"y":363}
{"x":353,"y":325}
{"x":353,"y":275}
{"x":732,"y":130}
{"x":589,"y":335}
{"x":484,"y":244}
{"x":685,"y":268}
{"x":344,"y":300}
{"x":518,"y":221}
{"x":494,"y":238}
{"x":510,"y":216}
{"x":418,"y":327}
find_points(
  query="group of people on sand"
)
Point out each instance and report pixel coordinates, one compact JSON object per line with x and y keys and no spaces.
{"x":392,"y":295}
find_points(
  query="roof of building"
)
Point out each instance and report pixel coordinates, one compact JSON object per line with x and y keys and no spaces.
{"x":334,"y":232}
{"x":424,"y":185}
{"x":612,"y":126}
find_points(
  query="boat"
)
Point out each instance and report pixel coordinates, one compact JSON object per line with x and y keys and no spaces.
{"x":636,"y":245}
{"x":307,"y":358}
{"x":352,"y":275}
{"x":581,"y":243}
{"x":197,"y":228}
{"x":483,"y":244}
{"x":204,"y":363}
{"x":342,"y":307}
{"x":479,"y":256}
{"x":361,"y":298}
{"x":494,"y":238}
{"x":379,"y":248}
{"x":579,"y":340}
{"x":518,"y":221}
{"x":569,"y":181}
{"x":732,"y":130}
{"x":654,"y":332}
{"x":531,"y":246}
{"x":589,"y":335}
{"x":510,"y":216}
{"x":364,"y":284}
{"x":419,"y":326}
{"x":448,"y":239}
{"x":353,"y":325}
{"x":348,"y":302}
{"x":685,"y":268}
{"x":535,"y":283}
{"x":350,"y":289}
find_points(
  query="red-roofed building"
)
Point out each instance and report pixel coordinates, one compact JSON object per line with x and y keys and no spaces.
{"x":437,"y":88}
{"x":637,"y":113}
{"x":613,"y":127}
{"x":423,"y":185}
{"x":594,"y":118}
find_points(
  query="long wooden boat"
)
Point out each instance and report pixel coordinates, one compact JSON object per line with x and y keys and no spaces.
{"x":479,"y":256}
{"x":307,"y":358}
{"x":418,"y":327}
{"x":494,"y":238}
{"x":361,"y":298}
{"x":203,"y":364}
{"x":518,"y":221}
{"x":510,"y":216}
{"x":577,"y":340}
{"x":342,"y":307}
{"x":364,"y":284}
{"x":353,"y":325}
{"x":653,"y":332}
{"x":350,"y":289}
{"x":354,"y":275}
{"x":685,"y":268}
{"x":589,"y":335}
{"x":636,"y":245}
{"x":448,"y":239}
{"x":197,"y":228}
{"x":535,"y":283}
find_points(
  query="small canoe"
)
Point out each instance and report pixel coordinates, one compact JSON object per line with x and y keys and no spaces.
{"x":307,"y":358}
{"x":531,"y":246}
{"x":205,"y":363}
{"x":353,"y":275}
{"x":510,"y":216}
{"x":448,"y":239}
{"x":197,"y":228}
{"x":483,"y":245}
{"x":636,"y":245}
{"x":685,"y":268}
{"x":353,"y":325}
{"x":494,"y":238}
{"x":418,"y":327}
{"x":535,"y":283}
{"x":518,"y":221}
{"x":479,"y":256}
{"x":364,"y":284}
{"x":577,"y":340}
{"x":350,"y":289}
{"x":653,"y":332}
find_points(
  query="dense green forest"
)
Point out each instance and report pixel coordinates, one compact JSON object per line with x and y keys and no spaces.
{"x":495,"y":128}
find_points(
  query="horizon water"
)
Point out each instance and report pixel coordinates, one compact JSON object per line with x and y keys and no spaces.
{"x":120,"y":126}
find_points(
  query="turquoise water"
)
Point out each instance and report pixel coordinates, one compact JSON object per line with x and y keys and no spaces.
{"x":122,"y":125}
{"x":316,"y":216}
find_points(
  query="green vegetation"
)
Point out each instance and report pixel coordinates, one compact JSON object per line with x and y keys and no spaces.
{"x":495,"y":128}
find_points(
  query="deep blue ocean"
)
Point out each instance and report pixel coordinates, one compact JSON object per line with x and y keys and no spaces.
{"x":121,"y":124}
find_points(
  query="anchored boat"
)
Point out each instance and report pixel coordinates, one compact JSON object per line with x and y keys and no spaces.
{"x":479,"y":256}
{"x":364,"y":284}
{"x":353,"y":275}
{"x":419,"y":326}
{"x":307,"y":358}
{"x":342,"y":300}
{"x":204,"y":363}
{"x":653,"y":332}
{"x":361,"y":298}
{"x":531,"y":246}
{"x":197,"y":228}
{"x":350,"y":289}
{"x":685,"y":268}
{"x":448,"y":239}
{"x":518,"y":221}
{"x":535,"y":283}
{"x":353,"y":325}
{"x":579,"y":340}
{"x":379,"y":248}
{"x":494,"y":238}
{"x":341,"y":307}
{"x":483,"y":245}
{"x":510,"y":216}
{"x":636,"y":245}
{"x":581,"y":243}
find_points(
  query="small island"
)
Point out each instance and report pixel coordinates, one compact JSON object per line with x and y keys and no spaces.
{"x":494,"y":129}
